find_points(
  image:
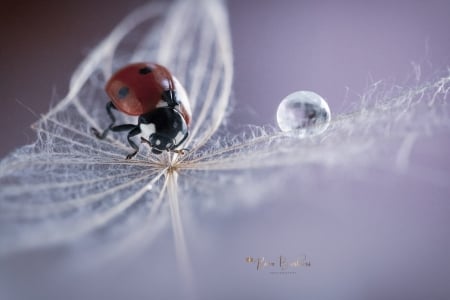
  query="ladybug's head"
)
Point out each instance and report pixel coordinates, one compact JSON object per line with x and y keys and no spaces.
{"x":161,"y":142}
{"x":165,"y":129}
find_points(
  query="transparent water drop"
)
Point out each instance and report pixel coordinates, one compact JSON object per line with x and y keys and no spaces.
{"x":303,"y":114}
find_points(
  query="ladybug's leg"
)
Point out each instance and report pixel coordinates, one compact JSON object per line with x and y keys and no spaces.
{"x":154,"y":150}
{"x":170,"y":97}
{"x":182,"y":141}
{"x":181,"y":151}
{"x":123,"y":127}
{"x":135,"y":131}
{"x":101,"y":136}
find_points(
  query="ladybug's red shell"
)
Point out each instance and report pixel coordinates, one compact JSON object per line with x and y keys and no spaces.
{"x":137,"y":88}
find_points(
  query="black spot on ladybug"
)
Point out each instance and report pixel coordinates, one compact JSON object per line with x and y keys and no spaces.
{"x":145,"y":70}
{"x":123,"y":92}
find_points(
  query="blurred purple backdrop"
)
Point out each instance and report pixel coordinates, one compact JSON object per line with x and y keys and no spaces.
{"x":390,"y":241}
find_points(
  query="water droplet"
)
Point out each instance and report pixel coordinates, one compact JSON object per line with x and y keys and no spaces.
{"x":303,"y":114}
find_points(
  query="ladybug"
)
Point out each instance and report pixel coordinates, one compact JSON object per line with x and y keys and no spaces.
{"x":149,"y":91}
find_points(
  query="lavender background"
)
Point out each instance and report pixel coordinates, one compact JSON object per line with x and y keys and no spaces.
{"x":382,"y":236}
